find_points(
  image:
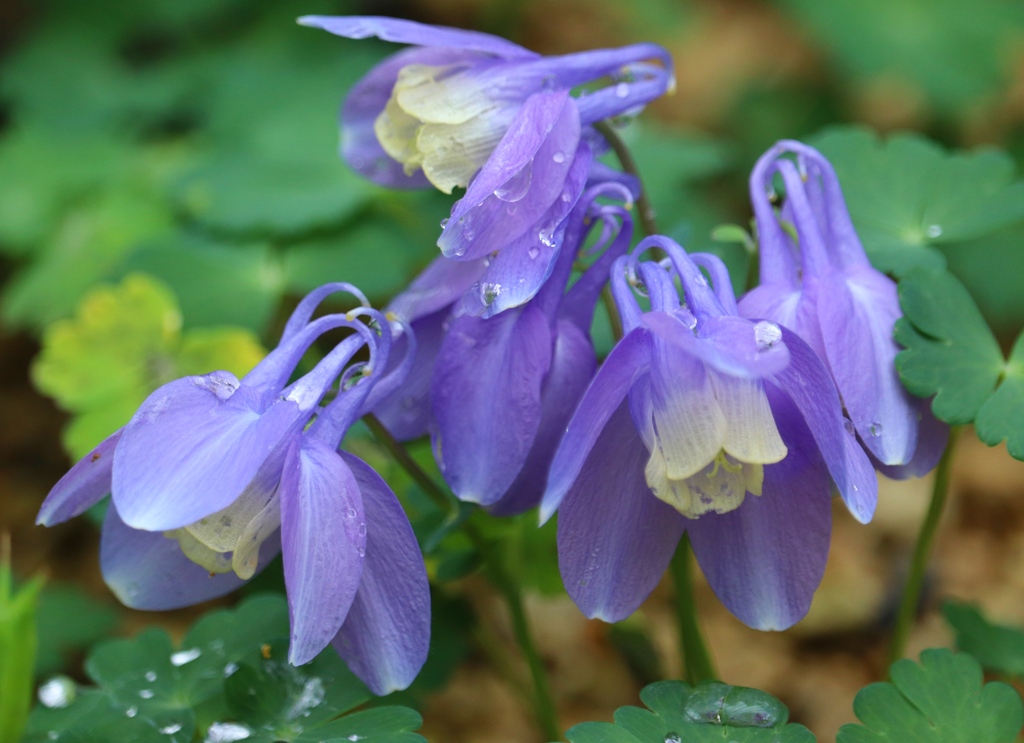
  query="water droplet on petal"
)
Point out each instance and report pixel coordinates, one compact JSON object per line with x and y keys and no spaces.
{"x":444,"y":223}
{"x":517,"y":186}
{"x":848,"y":425}
{"x":533,"y":253}
{"x":558,"y":157}
{"x":767,"y":334}
{"x":933,"y":231}
{"x":511,"y":209}
{"x":621,"y":90}
{"x":875,"y":429}
{"x":489,"y":292}
{"x":547,"y":235}
{"x":362,"y":530}
{"x":351,"y":513}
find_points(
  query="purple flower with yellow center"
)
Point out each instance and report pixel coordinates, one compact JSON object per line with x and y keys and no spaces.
{"x":469,"y":110}
{"x":213,"y":476}
{"x":704,"y":422}
{"x":821,"y":285}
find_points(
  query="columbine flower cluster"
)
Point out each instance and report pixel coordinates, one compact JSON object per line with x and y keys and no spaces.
{"x":728,"y":421}
{"x":213,"y":476}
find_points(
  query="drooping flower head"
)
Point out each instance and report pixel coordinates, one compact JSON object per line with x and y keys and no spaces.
{"x":466,"y":109}
{"x":503,"y":387}
{"x":705,"y":422}
{"x":214,"y":475}
{"x":822,"y":286}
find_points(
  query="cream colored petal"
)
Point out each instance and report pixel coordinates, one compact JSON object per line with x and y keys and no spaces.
{"x":691,"y":428}
{"x":451,"y":155}
{"x":396,"y":131}
{"x":673,"y":492}
{"x":753,"y":477}
{"x":199,"y":553}
{"x":220,"y":531}
{"x":440,"y":95}
{"x":751,"y":433}
{"x":247,"y":550}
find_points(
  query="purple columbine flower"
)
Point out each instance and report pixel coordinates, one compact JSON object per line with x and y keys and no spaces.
{"x":469,"y":110}
{"x":213,"y":476}
{"x":704,"y":422}
{"x":822,"y":286}
{"x":502,"y":388}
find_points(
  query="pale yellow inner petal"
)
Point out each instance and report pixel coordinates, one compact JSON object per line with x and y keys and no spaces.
{"x":751,"y":433}
{"x":719,"y":487}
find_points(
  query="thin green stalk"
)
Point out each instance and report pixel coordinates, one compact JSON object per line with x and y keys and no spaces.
{"x":501,"y":578}
{"x":922,"y":551}
{"x":614,"y":319}
{"x":625,"y":157}
{"x":697,"y":665}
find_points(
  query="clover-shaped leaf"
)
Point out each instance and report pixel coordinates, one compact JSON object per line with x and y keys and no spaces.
{"x":941,"y":699}
{"x":906,"y":194}
{"x":711,"y":711}
{"x":950,"y":353}
{"x":229,"y":679}
{"x":996,"y":647}
{"x":124,"y":342}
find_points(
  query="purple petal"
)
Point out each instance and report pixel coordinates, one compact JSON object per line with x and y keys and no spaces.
{"x":932,"y":437}
{"x":732,"y":345}
{"x":364,"y":103}
{"x":386,"y":635}
{"x":615,"y":539}
{"x":572,"y":367}
{"x":189,"y":451}
{"x":809,"y":386}
{"x":857,"y":313}
{"x":521,"y":268}
{"x":148,"y":571}
{"x":765,"y":559}
{"x":542,"y":137}
{"x":440,"y":284}
{"x":617,"y":99}
{"x":323,"y":540}
{"x":406,"y":413}
{"x":486,"y":400}
{"x":84,"y":485}
{"x":630,"y":358}
{"x":402,"y":31}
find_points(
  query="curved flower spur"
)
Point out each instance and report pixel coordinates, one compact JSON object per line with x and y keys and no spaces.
{"x":704,"y":422}
{"x":466,"y":109}
{"x":822,"y":286}
{"x":214,"y":475}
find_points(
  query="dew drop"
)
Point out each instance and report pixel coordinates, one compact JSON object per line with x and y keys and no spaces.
{"x":226,"y":732}
{"x":511,"y":209}
{"x":848,"y":425}
{"x":875,"y":429}
{"x":621,"y":90}
{"x":355,"y":737}
{"x":146,"y":693}
{"x":444,"y":223}
{"x":230,"y":669}
{"x":185,"y":656}
{"x":558,"y":157}
{"x":57,"y":693}
{"x":533,"y":253}
{"x":150,"y":676}
{"x":362,"y":530}
{"x":516,"y":187}
{"x":672,"y":738}
{"x":933,"y":231}
{"x":767,"y":334}
{"x":489,"y":292}
{"x":131,"y":711}
{"x":171,"y":729}
{"x":547,"y":235}
{"x":351,"y":513}
{"x":53,"y":735}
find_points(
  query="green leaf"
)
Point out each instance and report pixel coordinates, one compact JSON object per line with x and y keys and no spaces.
{"x":953,"y":51}
{"x":906,"y":194}
{"x":942,"y":699}
{"x":711,"y":711}
{"x":124,"y":342}
{"x":951,"y":353}
{"x":996,"y":647}
{"x":229,"y":675}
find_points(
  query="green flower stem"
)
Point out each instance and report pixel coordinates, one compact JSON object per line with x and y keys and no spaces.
{"x":497,"y":570}
{"x":922,"y":551}
{"x":697,"y":665}
{"x":614,"y":319}
{"x":625,"y":157}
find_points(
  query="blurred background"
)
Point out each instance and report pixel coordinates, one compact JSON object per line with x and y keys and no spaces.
{"x":169,"y":185}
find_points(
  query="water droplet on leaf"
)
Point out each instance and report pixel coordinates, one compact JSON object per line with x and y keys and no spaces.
{"x":185,"y":656}
{"x":58,"y":692}
{"x":933,"y":231}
